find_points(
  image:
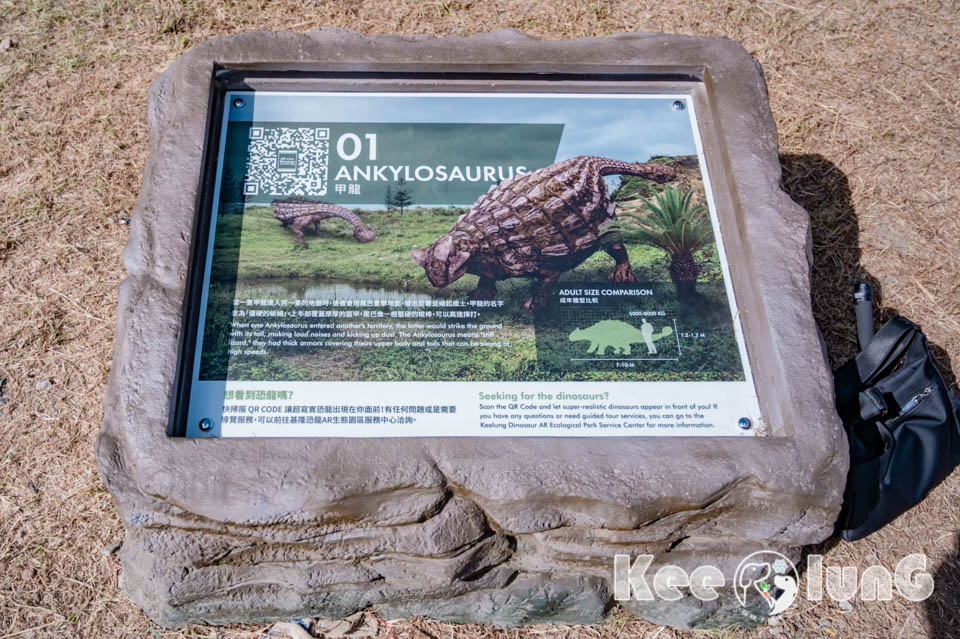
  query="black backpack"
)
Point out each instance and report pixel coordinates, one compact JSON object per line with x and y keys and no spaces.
{"x":902,"y":424}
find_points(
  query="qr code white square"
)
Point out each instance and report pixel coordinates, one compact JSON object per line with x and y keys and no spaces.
{"x":286,"y":161}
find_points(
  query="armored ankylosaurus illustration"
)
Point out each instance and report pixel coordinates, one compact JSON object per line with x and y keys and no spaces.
{"x":538,"y":224}
{"x":300,"y":212}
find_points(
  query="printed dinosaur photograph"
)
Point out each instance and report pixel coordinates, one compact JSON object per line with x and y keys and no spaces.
{"x":538,"y":225}
{"x":593,"y":266}
{"x":506,"y":259}
{"x":300,"y":213}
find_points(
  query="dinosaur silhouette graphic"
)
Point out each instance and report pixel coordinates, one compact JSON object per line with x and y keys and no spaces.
{"x":619,"y":336}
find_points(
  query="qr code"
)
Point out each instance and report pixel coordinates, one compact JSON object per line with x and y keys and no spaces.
{"x":287,"y":161}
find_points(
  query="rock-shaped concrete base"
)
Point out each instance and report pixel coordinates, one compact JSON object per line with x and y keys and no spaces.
{"x":508,"y":531}
{"x":691,"y":613}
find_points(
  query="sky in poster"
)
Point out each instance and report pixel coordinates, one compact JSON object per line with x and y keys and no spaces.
{"x":631,"y":128}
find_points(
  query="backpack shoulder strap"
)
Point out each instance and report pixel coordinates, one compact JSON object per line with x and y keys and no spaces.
{"x":886,"y":348}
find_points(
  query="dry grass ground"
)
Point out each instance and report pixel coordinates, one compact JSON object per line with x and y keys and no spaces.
{"x":867,"y":102}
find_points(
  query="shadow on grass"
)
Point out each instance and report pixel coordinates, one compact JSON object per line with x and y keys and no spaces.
{"x":822,"y":189}
{"x":943,"y":614}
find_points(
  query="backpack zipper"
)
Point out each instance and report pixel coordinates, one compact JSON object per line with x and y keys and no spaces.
{"x":914,"y":401}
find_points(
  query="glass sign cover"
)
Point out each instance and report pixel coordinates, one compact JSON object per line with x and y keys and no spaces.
{"x":464,"y":264}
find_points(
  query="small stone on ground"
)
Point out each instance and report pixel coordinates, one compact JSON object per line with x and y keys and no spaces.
{"x":44,"y":384}
{"x":356,"y":626}
{"x":360,"y":625}
{"x":289,"y":630}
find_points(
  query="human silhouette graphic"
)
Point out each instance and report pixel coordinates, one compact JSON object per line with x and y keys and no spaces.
{"x":646,"y":329}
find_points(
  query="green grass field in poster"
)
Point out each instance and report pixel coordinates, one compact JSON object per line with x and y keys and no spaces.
{"x":267,"y":263}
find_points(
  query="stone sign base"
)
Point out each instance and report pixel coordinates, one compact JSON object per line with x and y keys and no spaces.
{"x":504,"y":531}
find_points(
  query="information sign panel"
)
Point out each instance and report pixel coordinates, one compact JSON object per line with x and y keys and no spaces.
{"x":411,"y":264}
